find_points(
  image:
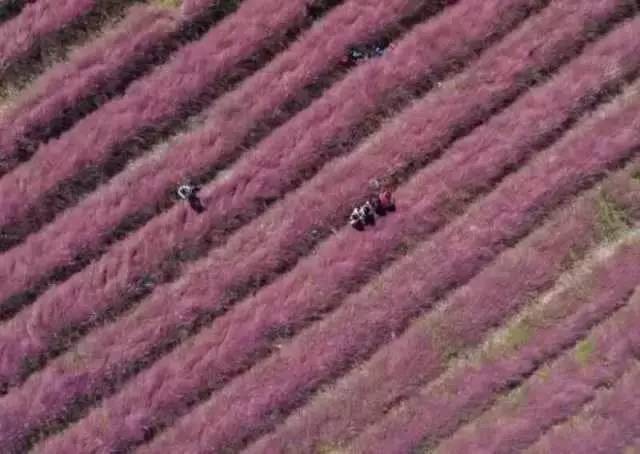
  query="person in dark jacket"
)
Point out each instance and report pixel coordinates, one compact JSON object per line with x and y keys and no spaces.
{"x":190,"y":193}
{"x":377,"y":206}
{"x":366,"y":214}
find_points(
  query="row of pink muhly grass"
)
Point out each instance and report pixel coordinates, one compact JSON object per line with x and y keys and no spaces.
{"x":422,"y":353}
{"x":439,"y":409}
{"x":350,"y":257}
{"x":260,"y":398}
{"x":367,"y":87}
{"x":228,"y":122}
{"x":276,"y":239}
{"x":557,"y":392}
{"x":85,"y":77}
{"x":36,"y":22}
{"x":603,"y":428}
{"x":149,"y":102}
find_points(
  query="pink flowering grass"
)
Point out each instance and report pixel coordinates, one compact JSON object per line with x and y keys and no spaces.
{"x":550,"y":397}
{"x":358,"y":255}
{"x":605,"y":427}
{"x":86,"y":78}
{"x":419,"y":355}
{"x":437,"y":410}
{"x":279,"y":239}
{"x":149,"y":103}
{"x":196,"y":283}
{"x":35,"y":22}
{"x":368,"y":318}
{"x":84,"y":227}
{"x":329,"y":120}
{"x":427,"y":203}
{"x":267,"y":324}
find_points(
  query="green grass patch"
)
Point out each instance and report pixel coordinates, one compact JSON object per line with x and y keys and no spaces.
{"x":168,"y":3}
{"x":612,"y":219}
{"x":518,"y":335}
{"x":584,"y":352}
{"x":636,"y":175}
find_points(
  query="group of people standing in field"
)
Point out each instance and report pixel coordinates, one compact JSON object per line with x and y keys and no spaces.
{"x":365,"y":214}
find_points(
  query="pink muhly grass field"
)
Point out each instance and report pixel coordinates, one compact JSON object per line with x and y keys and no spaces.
{"x":144,"y":322}
{"x":349,"y":257}
{"x":436,"y":411}
{"x":569,"y":383}
{"x":228,"y":121}
{"x":301,"y":139}
{"x":147,"y":103}
{"x":35,"y":22}
{"x":100,"y":285}
{"x":423,"y":351}
{"x":368,"y":318}
{"x":492,"y":310}
{"x":89,"y":71}
{"x":605,"y":427}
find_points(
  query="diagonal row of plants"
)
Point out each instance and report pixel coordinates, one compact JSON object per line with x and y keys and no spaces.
{"x":45,"y":30}
{"x":11,"y":8}
{"x":21,"y":34}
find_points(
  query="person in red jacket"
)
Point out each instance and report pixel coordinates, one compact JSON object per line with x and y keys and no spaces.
{"x":383,"y":203}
